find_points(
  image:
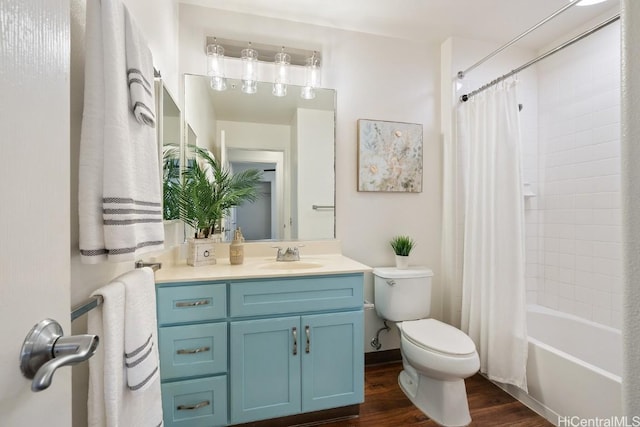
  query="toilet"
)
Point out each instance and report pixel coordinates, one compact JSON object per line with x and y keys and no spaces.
{"x":436,"y":357}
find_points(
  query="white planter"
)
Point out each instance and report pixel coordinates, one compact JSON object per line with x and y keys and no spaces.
{"x":402,"y":262}
{"x":201,"y":252}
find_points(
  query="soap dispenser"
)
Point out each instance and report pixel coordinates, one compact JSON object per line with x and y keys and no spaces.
{"x":236,"y":249}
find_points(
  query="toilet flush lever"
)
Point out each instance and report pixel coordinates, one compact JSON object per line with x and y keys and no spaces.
{"x":391,"y":282}
{"x":45,"y":349}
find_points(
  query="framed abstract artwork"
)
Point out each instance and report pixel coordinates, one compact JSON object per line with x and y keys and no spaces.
{"x":389,"y":156}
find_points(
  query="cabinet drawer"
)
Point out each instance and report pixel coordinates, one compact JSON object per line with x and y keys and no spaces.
{"x":284,"y":295}
{"x":193,"y":350}
{"x":195,"y":403}
{"x":182,"y":304}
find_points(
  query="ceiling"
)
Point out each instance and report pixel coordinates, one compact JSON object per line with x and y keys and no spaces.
{"x":497,"y":21}
{"x":428,"y":20}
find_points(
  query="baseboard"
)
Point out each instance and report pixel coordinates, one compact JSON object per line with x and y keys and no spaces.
{"x":380,"y":357}
{"x":309,"y":419}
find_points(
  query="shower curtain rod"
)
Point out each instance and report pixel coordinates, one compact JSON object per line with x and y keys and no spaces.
{"x":462,"y":74}
{"x":466,"y":97}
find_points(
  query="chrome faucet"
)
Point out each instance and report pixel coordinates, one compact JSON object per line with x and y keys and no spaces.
{"x":288,"y":254}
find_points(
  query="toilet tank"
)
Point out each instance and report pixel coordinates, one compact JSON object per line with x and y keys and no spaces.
{"x":402,"y":294}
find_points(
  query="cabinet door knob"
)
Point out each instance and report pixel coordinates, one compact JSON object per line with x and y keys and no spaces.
{"x":192,"y":407}
{"x":294,"y":332}
{"x":307,"y":349}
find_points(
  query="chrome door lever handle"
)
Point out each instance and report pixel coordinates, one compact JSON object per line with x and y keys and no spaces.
{"x":45,"y":349}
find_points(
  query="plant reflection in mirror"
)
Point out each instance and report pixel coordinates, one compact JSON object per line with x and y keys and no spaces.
{"x":208,"y":191}
{"x":170,"y":181}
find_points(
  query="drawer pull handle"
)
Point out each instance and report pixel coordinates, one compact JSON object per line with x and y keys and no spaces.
{"x":192,"y":407}
{"x":193,"y":350}
{"x":307,"y":349}
{"x":294,"y":332}
{"x":192,"y":303}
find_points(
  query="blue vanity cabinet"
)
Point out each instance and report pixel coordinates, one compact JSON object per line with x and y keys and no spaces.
{"x":254,"y":349}
{"x":193,"y":348}
{"x":300,"y":350}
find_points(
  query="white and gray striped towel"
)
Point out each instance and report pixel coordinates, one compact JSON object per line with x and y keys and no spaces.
{"x":121,"y":395}
{"x":139,"y":75}
{"x":140,"y":326}
{"x":120,"y":193}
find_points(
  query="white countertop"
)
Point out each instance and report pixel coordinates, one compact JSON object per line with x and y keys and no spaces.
{"x":261,"y":267}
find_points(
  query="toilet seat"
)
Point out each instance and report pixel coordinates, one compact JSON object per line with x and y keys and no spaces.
{"x":436,"y":336}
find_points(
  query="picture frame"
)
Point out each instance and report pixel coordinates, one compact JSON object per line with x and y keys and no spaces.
{"x":389,"y":156}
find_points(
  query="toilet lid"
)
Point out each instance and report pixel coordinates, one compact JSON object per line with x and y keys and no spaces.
{"x":432,"y":334}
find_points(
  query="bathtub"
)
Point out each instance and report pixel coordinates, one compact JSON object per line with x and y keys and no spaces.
{"x":574,"y":367}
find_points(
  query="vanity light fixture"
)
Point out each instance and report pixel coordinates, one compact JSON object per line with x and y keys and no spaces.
{"x":304,"y":64}
{"x":215,"y":66}
{"x":311,"y":77}
{"x":281,"y":65}
{"x":589,"y":2}
{"x":249,"y":58}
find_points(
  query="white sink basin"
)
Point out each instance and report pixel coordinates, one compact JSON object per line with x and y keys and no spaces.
{"x":290,"y":265}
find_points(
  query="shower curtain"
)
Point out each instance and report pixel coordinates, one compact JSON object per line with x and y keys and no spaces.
{"x":493,"y":279}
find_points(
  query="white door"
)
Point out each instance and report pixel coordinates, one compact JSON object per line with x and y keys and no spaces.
{"x":34,"y":199}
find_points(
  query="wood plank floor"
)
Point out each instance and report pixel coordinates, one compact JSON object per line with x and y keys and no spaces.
{"x":386,"y":405}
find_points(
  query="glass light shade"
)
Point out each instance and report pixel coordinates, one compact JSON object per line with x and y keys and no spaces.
{"x":218,"y":83}
{"x":307,"y":92}
{"x":281,"y":79}
{"x":311,"y":77}
{"x":249,"y":70}
{"x":215,"y":67}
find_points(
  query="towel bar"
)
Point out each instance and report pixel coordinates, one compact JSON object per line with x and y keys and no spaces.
{"x":86,"y":306}
{"x":96,"y":300}
{"x":155,"y":266}
{"x":316,"y":207}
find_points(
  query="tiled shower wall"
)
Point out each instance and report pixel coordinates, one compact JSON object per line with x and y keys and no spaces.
{"x":574,"y":221}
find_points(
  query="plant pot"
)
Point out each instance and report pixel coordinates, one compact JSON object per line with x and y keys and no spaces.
{"x":402,"y":262}
{"x":201,"y":252}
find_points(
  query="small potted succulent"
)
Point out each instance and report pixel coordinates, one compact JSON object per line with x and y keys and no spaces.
{"x":402,"y":246}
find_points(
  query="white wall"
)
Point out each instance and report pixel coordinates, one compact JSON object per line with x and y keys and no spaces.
{"x":160,"y":30}
{"x":251,"y":135}
{"x":579,"y":257}
{"x":375,"y":78}
{"x":201,"y":115}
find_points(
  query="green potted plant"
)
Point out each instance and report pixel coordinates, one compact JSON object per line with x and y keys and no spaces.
{"x":205,"y":195}
{"x":402,"y":246}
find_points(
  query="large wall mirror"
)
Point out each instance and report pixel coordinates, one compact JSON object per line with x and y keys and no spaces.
{"x":168,"y":126}
{"x":290,"y":139}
